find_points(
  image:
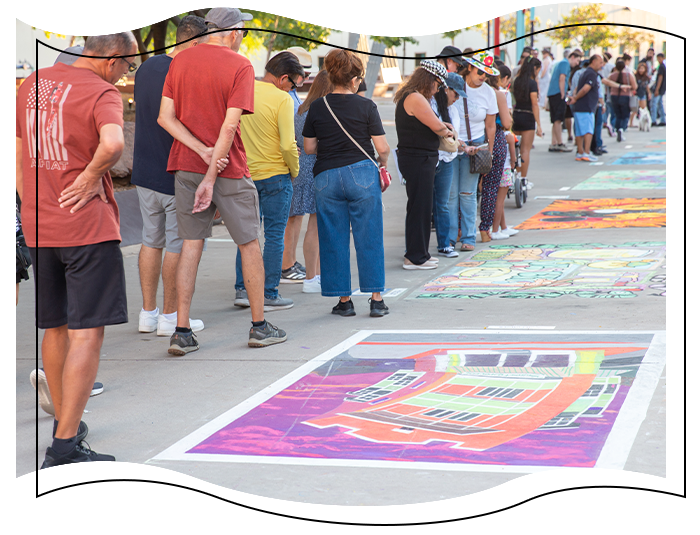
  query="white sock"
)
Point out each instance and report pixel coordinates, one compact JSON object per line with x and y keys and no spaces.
{"x":171,"y":317}
{"x":151,"y":312}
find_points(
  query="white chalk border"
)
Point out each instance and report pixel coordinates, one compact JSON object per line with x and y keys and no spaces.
{"x":613,"y":455}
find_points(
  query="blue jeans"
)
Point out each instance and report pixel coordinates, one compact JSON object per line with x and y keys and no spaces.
{"x":609,"y":112}
{"x":275,"y":194}
{"x":463,"y":198}
{"x":350,"y":196}
{"x":598,"y":133}
{"x":621,"y":107}
{"x":658,"y":114}
{"x":441,"y":198}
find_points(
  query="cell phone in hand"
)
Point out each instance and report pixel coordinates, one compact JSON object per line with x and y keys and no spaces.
{"x":482,"y":147}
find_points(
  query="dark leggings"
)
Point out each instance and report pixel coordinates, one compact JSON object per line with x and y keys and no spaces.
{"x":621,"y":106}
{"x":491,"y":181}
{"x":419,"y":173}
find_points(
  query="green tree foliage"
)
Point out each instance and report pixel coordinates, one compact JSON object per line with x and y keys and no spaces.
{"x":585,"y":37}
{"x":390,"y":30}
{"x":452,"y":18}
{"x":631,"y":39}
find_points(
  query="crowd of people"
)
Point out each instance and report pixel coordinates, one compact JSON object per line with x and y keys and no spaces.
{"x":213,"y":141}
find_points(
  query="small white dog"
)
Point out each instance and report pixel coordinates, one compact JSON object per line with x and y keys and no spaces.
{"x":644,"y":120}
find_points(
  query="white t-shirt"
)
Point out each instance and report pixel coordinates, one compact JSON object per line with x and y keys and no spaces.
{"x":481,"y":102}
{"x":444,"y":156}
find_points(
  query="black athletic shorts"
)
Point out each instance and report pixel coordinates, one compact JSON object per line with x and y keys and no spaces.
{"x":523,"y":121}
{"x":557,"y":107}
{"x":83,"y":287}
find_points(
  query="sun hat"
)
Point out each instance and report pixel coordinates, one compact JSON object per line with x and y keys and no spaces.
{"x":453,"y":53}
{"x":456,"y":83}
{"x":225,"y":17}
{"x":304,"y":58}
{"x":69,"y":59}
{"x":436,"y":69}
{"x":484,"y":62}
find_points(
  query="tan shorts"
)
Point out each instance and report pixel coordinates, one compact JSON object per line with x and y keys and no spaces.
{"x":236,"y":200}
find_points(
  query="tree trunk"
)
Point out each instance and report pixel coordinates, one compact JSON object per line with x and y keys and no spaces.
{"x":271,"y":42}
{"x":159,"y":31}
{"x":139,"y":42}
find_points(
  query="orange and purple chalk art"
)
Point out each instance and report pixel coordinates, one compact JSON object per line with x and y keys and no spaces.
{"x":599,"y":213}
{"x":463,"y":400}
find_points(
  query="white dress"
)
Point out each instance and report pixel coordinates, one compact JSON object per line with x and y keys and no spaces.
{"x":543,"y":81}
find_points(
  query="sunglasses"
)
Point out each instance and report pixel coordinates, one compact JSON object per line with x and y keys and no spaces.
{"x":294,"y":85}
{"x":245,"y":33}
{"x":132,"y":66}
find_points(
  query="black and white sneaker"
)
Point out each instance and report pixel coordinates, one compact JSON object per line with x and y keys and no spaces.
{"x":181,"y":343}
{"x":300,"y":267}
{"x":80,"y":454}
{"x":266,"y":335}
{"x":292,"y":275}
{"x":377,"y":308}
{"x":449,"y":252}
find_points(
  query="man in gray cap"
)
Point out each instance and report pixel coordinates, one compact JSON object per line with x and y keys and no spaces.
{"x":203,"y":115}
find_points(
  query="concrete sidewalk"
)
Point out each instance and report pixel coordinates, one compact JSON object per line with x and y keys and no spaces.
{"x":151,"y":400}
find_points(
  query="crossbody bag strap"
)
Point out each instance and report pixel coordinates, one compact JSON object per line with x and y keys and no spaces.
{"x":347,"y":134}
{"x":466,"y":118}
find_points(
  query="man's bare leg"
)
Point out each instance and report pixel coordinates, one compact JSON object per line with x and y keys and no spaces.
{"x":78,"y":371}
{"x":185,"y":278}
{"x":54,"y":349}
{"x":149,"y":273}
{"x":291,"y":240}
{"x":170,"y":262}
{"x":253,"y":278}
{"x":556,"y":133}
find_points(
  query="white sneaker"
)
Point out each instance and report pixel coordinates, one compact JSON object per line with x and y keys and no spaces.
{"x":407,"y":264}
{"x":530,"y":184}
{"x":38,"y":380}
{"x":166,"y":327}
{"x":148,"y":321}
{"x":510,"y":231}
{"x":312,"y":286}
{"x":500,"y":235}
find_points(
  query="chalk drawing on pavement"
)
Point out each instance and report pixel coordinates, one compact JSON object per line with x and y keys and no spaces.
{"x":519,"y":401}
{"x":641,"y":158}
{"x":652,"y":179}
{"x":599,"y":213}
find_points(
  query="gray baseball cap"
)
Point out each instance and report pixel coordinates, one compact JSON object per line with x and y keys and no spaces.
{"x":225,"y":17}
{"x":69,"y":59}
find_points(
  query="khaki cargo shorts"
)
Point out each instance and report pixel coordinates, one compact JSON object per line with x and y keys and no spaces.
{"x":236,"y":200}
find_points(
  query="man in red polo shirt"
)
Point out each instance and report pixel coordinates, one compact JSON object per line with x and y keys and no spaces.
{"x":69,"y":134}
{"x":207,"y":89}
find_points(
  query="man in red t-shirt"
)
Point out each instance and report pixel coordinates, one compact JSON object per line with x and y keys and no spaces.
{"x":207,"y":89}
{"x":69,"y":134}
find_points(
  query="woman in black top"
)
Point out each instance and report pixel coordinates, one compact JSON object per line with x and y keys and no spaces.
{"x":526,"y":111}
{"x":419,"y":129}
{"x":347,"y":186}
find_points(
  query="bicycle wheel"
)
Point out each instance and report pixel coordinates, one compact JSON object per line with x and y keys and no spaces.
{"x":518,"y":190}
{"x":524,"y":188}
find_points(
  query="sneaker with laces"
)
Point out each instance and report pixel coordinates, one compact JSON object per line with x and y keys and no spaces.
{"x":300,"y":267}
{"x":292,"y":275}
{"x":344,"y":309}
{"x":80,"y":454}
{"x":449,"y":252}
{"x":148,"y":321}
{"x":377,"y":309}
{"x":312,"y":286}
{"x":266,"y":335}
{"x":97,"y":388}
{"x":166,"y":327}
{"x":510,"y":231}
{"x":182,"y":343}
{"x":588,"y":157}
{"x":579,"y":157}
{"x":500,"y":235}
{"x":279,"y":303}
{"x":564,"y":148}
{"x":38,"y":380}
{"x":241,"y":299}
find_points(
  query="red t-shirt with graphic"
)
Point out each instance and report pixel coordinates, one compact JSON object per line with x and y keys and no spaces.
{"x":73,"y":105}
{"x":203,"y":82}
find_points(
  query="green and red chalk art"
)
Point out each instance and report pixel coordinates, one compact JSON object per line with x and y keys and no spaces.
{"x":448,"y":400}
{"x":598,"y":213}
{"x":546,"y":271}
{"x":603,"y":180}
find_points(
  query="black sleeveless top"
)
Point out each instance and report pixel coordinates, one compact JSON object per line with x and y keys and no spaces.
{"x":414,"y":137}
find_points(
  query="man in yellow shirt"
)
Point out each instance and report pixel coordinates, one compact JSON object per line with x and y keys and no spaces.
{"x":273,"y":160}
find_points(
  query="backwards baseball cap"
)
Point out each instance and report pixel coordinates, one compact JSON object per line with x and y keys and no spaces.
{"x":436,"y":69}
{"x":454,"y":53}
{"x":69,"y":59}
{"x":226,"y":17}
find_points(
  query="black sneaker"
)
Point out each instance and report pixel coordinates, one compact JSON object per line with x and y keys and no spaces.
{"x":266,"y":335}
{"x":292,"y":275}
{"x":181,"y":343}
{"x":300,"y":267}
{"x":377,"y":308}
{"x":82,"y":431}
{"x":80,"y":454}
{"x":344,"y":309}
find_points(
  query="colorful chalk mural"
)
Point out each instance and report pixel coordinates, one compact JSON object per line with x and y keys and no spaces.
{"x":546,"y":271}
{"x":467,"y":399}
{"x":641,"y":158}
{"x":652,"y":179}
{"x":599,"y":213}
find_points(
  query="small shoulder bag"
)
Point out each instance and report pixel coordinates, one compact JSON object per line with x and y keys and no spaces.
{"x":480,"y":162}
{"x":384,"y":176}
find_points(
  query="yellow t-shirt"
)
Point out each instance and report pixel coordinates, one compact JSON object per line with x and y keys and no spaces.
{"x":268,"y":134}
